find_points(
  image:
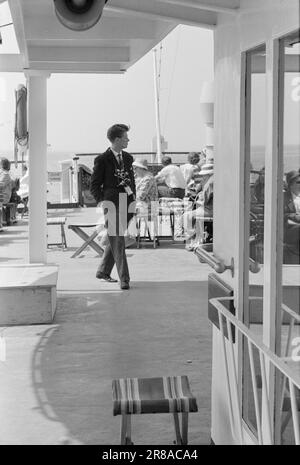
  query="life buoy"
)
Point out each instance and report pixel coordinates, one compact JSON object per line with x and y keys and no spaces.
{"x":21,"y":131}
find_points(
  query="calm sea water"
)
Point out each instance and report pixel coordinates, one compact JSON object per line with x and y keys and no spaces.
{"x":291,"y":162}
{"x":291,"y":158}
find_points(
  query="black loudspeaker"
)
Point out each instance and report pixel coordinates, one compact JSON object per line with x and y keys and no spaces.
{"x":79,"y":15}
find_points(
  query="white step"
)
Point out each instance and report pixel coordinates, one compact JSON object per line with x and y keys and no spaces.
{"x":27,"y":294}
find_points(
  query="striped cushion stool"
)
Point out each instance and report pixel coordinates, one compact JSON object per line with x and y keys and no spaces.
{"x":170,"y":394}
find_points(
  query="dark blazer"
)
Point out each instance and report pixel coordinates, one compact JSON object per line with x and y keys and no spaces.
{"x":104,"y":182}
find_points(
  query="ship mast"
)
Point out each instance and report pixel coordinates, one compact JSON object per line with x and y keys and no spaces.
{"x":157,"y":115}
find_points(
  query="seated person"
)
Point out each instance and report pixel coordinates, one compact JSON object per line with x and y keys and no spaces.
{"x":6,"y":179}
{"x":1,"y":206}
{"x":6,"y":182}
{"x":202,"y":158}
{"x":170,"y":180}
{"x":23,"y":191}
{"x":191,"y":175}
{"x":257,"y":215}
{"x":292,"y":218}
{"x":24,"y":185}
{"x":195,"y":232}
{"x":189,"y":168}
{"x":146,"y":187}
{"x":258,"y":193}
{"x":146,"y":193}
{"x":15,"y":198}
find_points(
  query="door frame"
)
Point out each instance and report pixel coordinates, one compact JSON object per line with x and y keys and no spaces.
{"x":273,"y":214}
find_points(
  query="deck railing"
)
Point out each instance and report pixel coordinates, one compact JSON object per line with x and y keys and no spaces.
{"x":266,"y":358}
{"x":177,"y":157}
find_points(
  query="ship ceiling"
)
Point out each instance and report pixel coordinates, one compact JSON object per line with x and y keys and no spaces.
{"x":126,"y":31}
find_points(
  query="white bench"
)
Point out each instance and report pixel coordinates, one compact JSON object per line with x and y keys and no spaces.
{"x":27,"y":294}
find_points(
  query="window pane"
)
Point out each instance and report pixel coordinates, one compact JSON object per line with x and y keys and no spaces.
{"x":255,"y":176}
{"x":289,"y":331}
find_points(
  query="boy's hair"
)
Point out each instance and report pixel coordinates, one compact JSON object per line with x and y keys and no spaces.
{"x":5,"y":164}
{"x":117,"y":130}
{"x":166,"y":160}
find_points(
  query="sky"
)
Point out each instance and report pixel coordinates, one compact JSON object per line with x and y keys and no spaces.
{"x":82,"y":107}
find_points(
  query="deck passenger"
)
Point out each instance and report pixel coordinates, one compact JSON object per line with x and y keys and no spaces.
{"x":258,"y":193}
{"x":146,"y":187}
{"x":170,"y":180}
{"x":112,"y":184}
{"x":6,"y":183}
{"x":190,"y":173}
{"x":191,"y":166}
{"x":194,"y":220}
{"x":292,"y":218}
{"x":24,"y":184}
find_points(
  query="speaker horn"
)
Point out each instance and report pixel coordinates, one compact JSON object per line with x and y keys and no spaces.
{"x":79,"y":15}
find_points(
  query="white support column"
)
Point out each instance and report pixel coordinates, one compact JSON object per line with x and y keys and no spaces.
{"x":207,"y":111}
{"x":157,"y":113}
{"x":37,"y":119}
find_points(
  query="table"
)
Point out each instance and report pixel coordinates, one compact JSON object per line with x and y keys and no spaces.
{"x":87,"y":240}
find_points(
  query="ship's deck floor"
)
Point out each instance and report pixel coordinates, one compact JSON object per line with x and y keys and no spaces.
{"x":56,"y":380}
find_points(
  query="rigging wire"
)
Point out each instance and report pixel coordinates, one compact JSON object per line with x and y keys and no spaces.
{"x":172,"y":78}
{"x":4,"y":25}
{"x":159,"y":70}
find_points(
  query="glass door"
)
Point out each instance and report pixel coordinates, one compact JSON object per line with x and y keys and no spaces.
{"x":288,"y":321}
{"x":255,"y":147}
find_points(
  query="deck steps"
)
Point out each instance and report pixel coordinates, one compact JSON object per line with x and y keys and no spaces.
{"x":27,"y":294}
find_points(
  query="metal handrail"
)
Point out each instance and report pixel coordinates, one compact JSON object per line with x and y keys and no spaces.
{"x":213,"y":261}
{"x":265,"y":354}
{"x":218,"y":265}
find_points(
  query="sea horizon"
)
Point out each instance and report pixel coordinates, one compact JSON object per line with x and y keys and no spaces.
{"x":292,"y":161}
{"x":292,"y":157}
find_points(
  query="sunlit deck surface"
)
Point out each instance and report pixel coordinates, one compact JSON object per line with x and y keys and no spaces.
{"x":56,"y":381}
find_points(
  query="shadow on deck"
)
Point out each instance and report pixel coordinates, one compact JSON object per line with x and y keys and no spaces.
{"x":58,"y":377}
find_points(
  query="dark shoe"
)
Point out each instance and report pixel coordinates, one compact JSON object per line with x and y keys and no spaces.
{"x":106,"y":277}
{"x":124,"y":285}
